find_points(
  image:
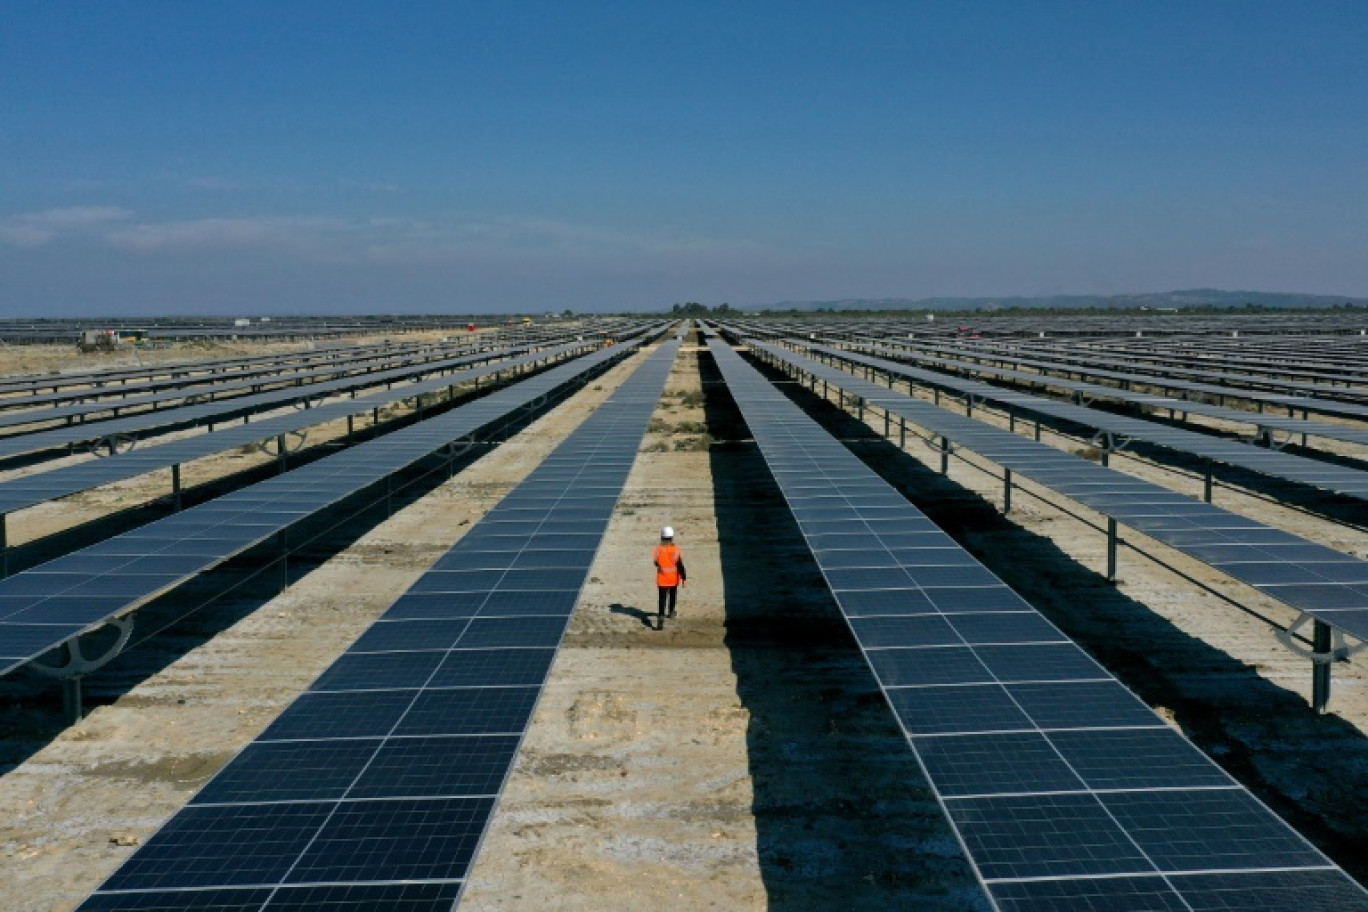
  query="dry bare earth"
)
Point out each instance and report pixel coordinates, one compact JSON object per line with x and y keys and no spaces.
{"x":741,"y":758}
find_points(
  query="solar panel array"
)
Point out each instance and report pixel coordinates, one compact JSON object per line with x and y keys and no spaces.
{"x":28,"y":490}
{"x":1188,"y":393}
{"x":22,"y":391}
{"x":285,"y":370}
{"x":1066,"y":791}
{"x":1341,"y":480}
{"x":1242,"y":368}
{"x":217,"y":410}
{"x":373,"y":789}
{"x":43,"y":607}
{"x":1322,"y":582}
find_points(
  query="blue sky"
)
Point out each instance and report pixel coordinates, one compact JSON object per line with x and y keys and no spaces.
{"x":253,"y":157}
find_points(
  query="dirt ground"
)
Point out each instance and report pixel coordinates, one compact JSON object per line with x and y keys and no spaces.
{"x":740,"y":758}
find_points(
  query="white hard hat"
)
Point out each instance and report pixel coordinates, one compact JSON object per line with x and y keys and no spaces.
{"x":667,"y":532}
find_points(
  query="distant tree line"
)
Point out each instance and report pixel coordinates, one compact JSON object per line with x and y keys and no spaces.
{"x":694,"y":309}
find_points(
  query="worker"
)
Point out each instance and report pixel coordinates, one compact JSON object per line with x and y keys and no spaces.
{"x":670,"y":575}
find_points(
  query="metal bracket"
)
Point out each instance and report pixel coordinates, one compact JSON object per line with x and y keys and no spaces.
{"x":308,"y":402}
{"x":285,"y":439}
{"x":76,"y":663}
{"x":1339,"y":650}
{"x":1081,"y":398}
{"x":114,"y":443}
{"x":1109,"y":441}
{"x":1269,"y":437}
{"x":938,"y":443}
{"x":459,"y":447}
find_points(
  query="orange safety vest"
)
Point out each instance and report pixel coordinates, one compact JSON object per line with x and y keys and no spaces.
{"x":667,"y":565}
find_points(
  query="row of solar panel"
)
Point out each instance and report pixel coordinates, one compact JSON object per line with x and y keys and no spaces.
{"x":1067,"y":792}
{"x":1198,"y":360}
{"x":42,"y":607}
{"x":1188,"y":395}
{"x":1244,"y":369}
{"x":1339,"y":479}
{"x":388,"y":768}
{"x":119,"y":384}
{"x":28,"y":490}
{"x":214,"y":411}
{"x":1324,"y":582}
{"x":81,"y":405}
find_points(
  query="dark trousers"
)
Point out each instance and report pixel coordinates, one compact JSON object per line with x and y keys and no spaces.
{"x":668,"y":594}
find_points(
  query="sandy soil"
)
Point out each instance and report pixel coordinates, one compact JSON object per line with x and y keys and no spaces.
{"x":741,"y":757}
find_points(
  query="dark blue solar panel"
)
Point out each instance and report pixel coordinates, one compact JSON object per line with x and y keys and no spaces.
{"x":1028,"y":741}
{"x":223,"y":845}
{"x":1044,"y":835}
{"x":410,"y":734}
{"x":1109,"y":894}
{"x":388,"y":840}
{"x":996,"y":764}
{"x":125,"y":572}
{"x":290,"y":771}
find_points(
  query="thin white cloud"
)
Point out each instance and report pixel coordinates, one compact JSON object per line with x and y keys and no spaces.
{"x":290,"y":233}
{"x":33,"y":229}
{"x":452,"y":239}
{"x":372,"y":186}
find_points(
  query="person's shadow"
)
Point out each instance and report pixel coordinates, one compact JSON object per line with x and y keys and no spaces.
{"x":647,"y":618}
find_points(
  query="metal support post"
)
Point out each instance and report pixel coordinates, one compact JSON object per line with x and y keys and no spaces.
{"x":1006,"y":490}
{"x":4,"y":547}
{"x":859,"y":403}
{"x":1037,"y":430}
{"x":176,"y":487}
{"x":902,"y":432}
{"x":1011,"y":420}
{"x":284,"y":561}
{"x":935,"y":395}
{"x":351,"y":427}
{"x":280,"y":453}
{"x":73,"y":709}
{"x":1206,"y":481}
{"x":888,"y":421}
{"x":945,"y":455}
{"x":1111,"y":550}
{"x":1320,"y":671}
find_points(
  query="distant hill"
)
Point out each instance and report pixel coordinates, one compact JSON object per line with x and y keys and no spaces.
{"x":1160,"y":300}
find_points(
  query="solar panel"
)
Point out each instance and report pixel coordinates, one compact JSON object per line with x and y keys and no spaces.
{"x":1189,"y":401}
{"x":69,"y":595}
{"x":1329,"y":586}
{"x":1341,"y":480}
{"x":30,"y":490}
{"x":218,"y":409}
{"x":388,"y":769}
{"x":1065,"y":790}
